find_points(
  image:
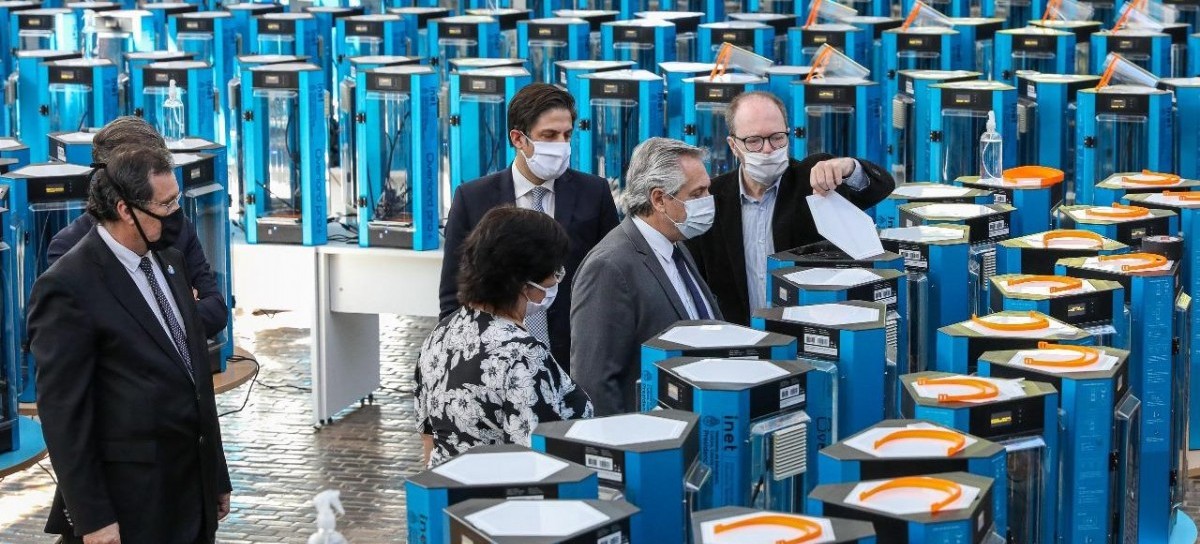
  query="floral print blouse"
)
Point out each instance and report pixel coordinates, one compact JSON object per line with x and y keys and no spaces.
{"x":482,"y":379}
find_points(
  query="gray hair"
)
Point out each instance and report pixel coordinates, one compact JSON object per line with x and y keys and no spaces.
{"x":655,"y":165}
{"x":732,"y":109}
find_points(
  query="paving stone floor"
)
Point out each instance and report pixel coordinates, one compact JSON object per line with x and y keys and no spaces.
{"x":278,"y":461}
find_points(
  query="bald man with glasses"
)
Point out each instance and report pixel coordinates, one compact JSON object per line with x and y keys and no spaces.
{"x":762,"y":206}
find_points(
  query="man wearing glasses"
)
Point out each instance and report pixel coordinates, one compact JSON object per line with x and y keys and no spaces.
{"x":762,"y":206}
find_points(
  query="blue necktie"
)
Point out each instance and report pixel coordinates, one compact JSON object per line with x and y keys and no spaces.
{"x":537,"y":323}
{"x":177,"y":336}
{"x":693,"y":291}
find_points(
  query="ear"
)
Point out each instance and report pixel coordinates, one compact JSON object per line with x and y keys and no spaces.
{"x":516,"y":138}
{"x":124,"y":211}
{"x":733,"y":147}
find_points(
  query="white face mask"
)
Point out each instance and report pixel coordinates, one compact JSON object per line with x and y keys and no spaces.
{"x":532,"y":307}
{"x":701,"y":212}
{"x":549,"y":160}
{"x":766,"y":168}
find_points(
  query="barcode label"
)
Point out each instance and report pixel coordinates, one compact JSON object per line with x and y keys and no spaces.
{"x":913,"y":258}
{"x":1031,"y":91}
{"x":997,"y":228}
{"x":790,"y":396}
{"x":527,"y":498}
{"x":783,"y":294}
{"x":908,"y":87}
{"x":819,"y":343}
{"x":597,"y":462}
{"x":1000,"y":198}
{"x":883,"y":293}
{"x":615,"y":538}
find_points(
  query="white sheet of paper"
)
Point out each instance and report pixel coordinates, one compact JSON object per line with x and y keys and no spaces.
{"x":1043,"y":288}
{"x":908,"y":500}
{"x":6,"y":143}
{"x":930,"y":191}
{"x":731,"y":371}
{"x":907,"y":448}
{"x":846,"y":226}
{"x":1089,"y":214}
{"x":1008,"y":389}
{"x":833,"y":277}
{"x":923,"y":233}
{"x":1038,"y":240}
{"x":954,"y":210}
{"x":1159,"y":198}
{"x":758,"y":534}
{"x":1114,"y":265}
{"x":1105,"y":362}
{"x":711,"y":336}
{"x":1054,"y":330}
{"x":830,"y":314}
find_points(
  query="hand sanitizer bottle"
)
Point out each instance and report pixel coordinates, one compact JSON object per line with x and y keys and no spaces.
{"x":172,"y":122}
{"x":991,"y":152}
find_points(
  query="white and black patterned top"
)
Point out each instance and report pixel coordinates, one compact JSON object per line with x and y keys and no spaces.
{"x":483,"y":380}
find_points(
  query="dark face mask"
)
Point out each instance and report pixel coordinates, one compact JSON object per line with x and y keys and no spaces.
{"x":172,"y":225}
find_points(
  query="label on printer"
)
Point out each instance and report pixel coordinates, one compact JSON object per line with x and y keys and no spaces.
{"x":820,"y":341}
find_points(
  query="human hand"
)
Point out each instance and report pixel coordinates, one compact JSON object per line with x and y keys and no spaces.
{"x":222,"y":506}
{"x":827,"y":175}
{"x":107,"y":535}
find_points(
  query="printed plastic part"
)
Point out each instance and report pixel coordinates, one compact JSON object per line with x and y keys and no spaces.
{"x":959,"y":441}
{"x":1149,"y":260}
{"x":1182,"y":195}
{"x":1120,"y":71}
{"x":1064,"y":283}
{"x":831,"y":64}
{"x":811,"y":529}
{"x":1072,"y":235}
{"x":1036,"y":322}
{"x":1118,"y":211}
{"x":1087,"y":356}
{"x":1042,"y":176}
{"x":952,"y":490}
{"x":921,"y":15}
{"x":732,"y":55}
{"x":986,"y":389}
{"x":1152,"y":178}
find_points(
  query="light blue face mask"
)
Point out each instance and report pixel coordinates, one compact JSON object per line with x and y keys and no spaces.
{"x":701,"y":212}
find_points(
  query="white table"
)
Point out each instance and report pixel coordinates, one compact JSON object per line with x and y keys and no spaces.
{"x":344,"y":288}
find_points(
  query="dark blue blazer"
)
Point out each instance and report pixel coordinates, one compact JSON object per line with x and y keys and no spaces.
{"x":214,"y":314}
{"x":583,"y":205}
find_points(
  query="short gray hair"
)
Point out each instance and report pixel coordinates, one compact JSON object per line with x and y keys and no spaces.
{"x":653,"y":165}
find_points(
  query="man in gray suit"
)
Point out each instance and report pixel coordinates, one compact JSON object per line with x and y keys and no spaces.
{"x":640,"y":279}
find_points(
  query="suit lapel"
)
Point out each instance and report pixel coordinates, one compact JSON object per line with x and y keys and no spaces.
{"x":651,"y":261}
{"x":173,"y":271}
{"x":714,"y":311}
{"x":505,"y":194}
{"x":564,"y":199}
{"x":789,"y":190}
{"x":729,"y":216}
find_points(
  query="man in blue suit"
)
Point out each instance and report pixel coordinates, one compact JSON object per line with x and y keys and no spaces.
{"x":541,"y":120}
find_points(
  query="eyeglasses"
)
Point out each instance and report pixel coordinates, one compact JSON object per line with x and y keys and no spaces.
{"x":754,"y":144}
{"x":163,"y":208}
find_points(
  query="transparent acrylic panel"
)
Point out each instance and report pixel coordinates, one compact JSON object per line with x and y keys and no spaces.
{"x":1180,"y":396}
{"x":1033,"y":61}
{"x":778,"y":456}
{"x":508,"y":44}
{"x":282,"y":152}
{"x":393,"y":203}
{"x":1083,"y":53}
{"x":1121,"y":144}
{"x":542,"y":56}
{"x":830,"y":130}
{"x":29,"y":40}
{"x":112,"y":46}
{"x":490,"y":115}
{"x":981,"y":267}
{"x":1027,"y":463}
{"x":777,"y":6}
{"x":905,"y":125}
{"x":207,"y":208}
{"x":984,"y":56}
{"x":615,"y":133}
{"x":918,"y":60}
{"x":685,"y":43}
{"x":960,"y":142}
{"x":642,"y":54}
{"x":454,"y":49}
{"x":358,"y":46}
{"x":348,"y":153}
{"x":276,"y":44}
{"x":47,"y":220}
{"x":154,"y":98}
{"x":7,"y":382}
{"x":1179,"y":60}
{"x":711,"y":132}
{"x":1126,"y":435}
{"x":199,"y":44}
{"x":1028,"y":138}
{"x":70,"y":107}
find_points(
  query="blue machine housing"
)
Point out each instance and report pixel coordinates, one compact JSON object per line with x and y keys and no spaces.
{"x":1016,"y":423}
{"x":853,"y":344}
{"x":781,"y":77}
{"x":11,"y":149}
{"x":210,"y":36}
{"x":644,"y":458}
{"x":769,"y":400}
{"x":160,"y":13}
{"x":398,"y":167}
{"x":617,"y":111}
{"x":429,"y":493}
{"x":82,"y":93}
{"x":331,"y":35}
{"x":1120,"y":128}
{"x":836,"y":116}
{"x":132,"y":75}
{"x":286,"y":34}
{"x":1187,"y":134}
{"x":949,"y":8}
{"x":906,"y":116}
{"x":779,"y":22}
{"x":71,"y":147}
{"x":1035,"y":49}
{"x":43,"y":199}
{"x":1130,"y":231}
{"x":1194,"y":59}
{"x":924,"y":48}
{"x":1146,"y":48}
{"x":10,"y":432}
{"x":1126,"y":184}
{"x":549,"y":41}
{"x":30,"y":81}
{"x":291,"y":95}
{"x":1158,"y":370}
{"x":245,"y":17}
{"x":737,"y":343}
{"x":461,"y":36}
{"x":1045,"y":136}
{"x":1016,"y":14}
{"x":1099,"y":310}
{"x":596,"y":18}
{"x":970,"y":525}
{"x":479,"y":101}
{"x":568,"y":75}
{"x":508,"y":19}
{"x":873,"y":28}
{"x":976,"y":42}
{"x":960,"y":345}
{"x":367,"y":36}
{"x":673,"y":75}
{"x":687,"y":24}
{"x":194,"y":79}
{"x":646,"y":42}
{"x":704,"y":103}
{"x":804,"y":41}
{"x":751,"y":36}
{"x":416,"y":22}
{"x":1091,"y":434}
{"x":8,"y":14}
{"x":887,"y":211}
{"x":957,"y":118}
{"x":1083,"y":31}
{"x":844,"y":463}
{"x":826,"y":254}
{"x":43,"y":28}
{"x":1035,"y":202}
{"x":126,"y":31}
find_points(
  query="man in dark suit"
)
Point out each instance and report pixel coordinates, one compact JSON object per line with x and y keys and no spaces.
{"x":540,"y":122}
{"x":136,"y":131}
{"x":126,"y":404}
{"x":640,"y":279}
{"x":762,"y":206}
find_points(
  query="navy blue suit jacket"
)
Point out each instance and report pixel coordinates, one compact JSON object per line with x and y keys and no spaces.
{"x":583,"y":205}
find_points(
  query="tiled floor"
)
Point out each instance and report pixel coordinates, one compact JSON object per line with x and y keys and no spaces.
{"x":279,"y":461}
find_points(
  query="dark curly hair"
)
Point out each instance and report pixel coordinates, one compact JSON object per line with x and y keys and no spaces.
{"x":509,"y":247}
{"x":126,"y":177}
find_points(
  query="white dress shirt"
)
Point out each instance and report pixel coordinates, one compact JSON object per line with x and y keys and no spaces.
{"x":663,"y":248}
{"x":131,"y":262}
{"x":522,"y":189}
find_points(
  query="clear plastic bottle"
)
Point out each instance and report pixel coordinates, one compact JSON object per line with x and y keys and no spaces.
{"x":172,"y":123}
{"x":991,"y":152}
{"x":88,"y":36}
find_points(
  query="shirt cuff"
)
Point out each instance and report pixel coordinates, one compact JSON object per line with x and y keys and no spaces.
{"x":857,"y":180}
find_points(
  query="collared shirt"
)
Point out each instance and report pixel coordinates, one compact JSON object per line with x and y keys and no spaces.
{"x":663,"y":249}
{"x":758,"y":240}
{"x":132,"y":261}
{"x":522,"y":189}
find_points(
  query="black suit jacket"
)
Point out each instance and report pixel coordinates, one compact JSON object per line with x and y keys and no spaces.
{"x":583,"y":205}
{"x":132,"y":438}
{"x":720,"y":253}
{"x":214,"y":313}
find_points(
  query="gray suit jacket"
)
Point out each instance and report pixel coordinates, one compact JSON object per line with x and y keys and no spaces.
{"x":621,"y":298}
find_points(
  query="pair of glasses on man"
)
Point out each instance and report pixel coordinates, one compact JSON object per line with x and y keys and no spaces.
{"x":754,"y":144}
{"x":163,"y":208}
